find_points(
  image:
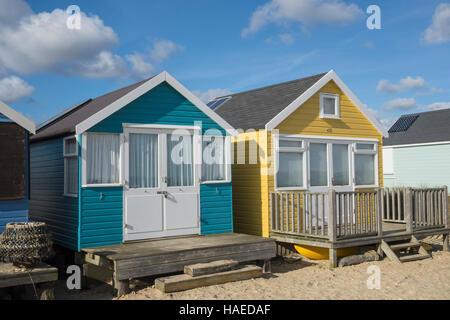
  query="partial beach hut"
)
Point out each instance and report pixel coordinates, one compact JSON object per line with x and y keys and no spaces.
{"x":310,"y":135}
{"x":15,"y":130}
{"x":130,"y":165}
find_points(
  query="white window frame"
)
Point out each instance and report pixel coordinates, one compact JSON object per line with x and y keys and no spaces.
{"x":306,"y":140}
{"x":84,"y":183}
{"x":376,"y":169}
{"x":302,"y":150}
{"x":227,"y":145}
{"x":337,"y":109}
{"x":67,"y":156}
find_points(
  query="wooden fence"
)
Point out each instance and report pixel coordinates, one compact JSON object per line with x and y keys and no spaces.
{"x":341,"y":215}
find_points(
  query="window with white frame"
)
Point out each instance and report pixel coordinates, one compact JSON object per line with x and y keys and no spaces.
{"x":329,"y":106}
{"x":70,"y":151}
{"x":215,"y":163}
{"x":290,"y":163}
{"x":365,"y":164}
{"x":102,"y":159}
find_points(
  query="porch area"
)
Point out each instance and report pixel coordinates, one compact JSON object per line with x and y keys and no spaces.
{"x":337,"y":220}
{"x":120,"y":263}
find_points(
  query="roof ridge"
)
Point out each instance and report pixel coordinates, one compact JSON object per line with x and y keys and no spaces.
{"x":271,"y":86}
{"x":419,"y":113}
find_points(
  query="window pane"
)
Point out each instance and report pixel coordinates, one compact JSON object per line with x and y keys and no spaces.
{"x":70,"y":146}
{"x":364,"y":169}
{"x":329,"y":105}
{"x":365,"y":146}
{"x":72,"y":175}
{"x":318,"y":165}
{"x":143,"y":165}
{"x":213,"y":165}
{"x":290,"y":170}
{"x":102,"y":159}
{"x":340,"y":165}
{"x":290,"y":144}
{"x":180,"y":161}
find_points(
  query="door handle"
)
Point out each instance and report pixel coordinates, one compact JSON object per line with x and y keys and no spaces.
{"x":164,"y":193}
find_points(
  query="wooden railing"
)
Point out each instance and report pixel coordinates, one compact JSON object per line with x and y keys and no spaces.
{"x":341,"y":215}
{"x":429,"y":207}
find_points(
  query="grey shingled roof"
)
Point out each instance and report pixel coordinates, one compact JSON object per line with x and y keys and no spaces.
{"x":255,"y":108}
{"x":431,"y":126}
{"x":67,"y":121}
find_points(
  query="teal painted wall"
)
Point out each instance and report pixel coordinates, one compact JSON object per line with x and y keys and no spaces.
{"x":47,"y":202}
{"x":101,"y":219}
{"x":216,"y":209}
{"x":420,"y":166}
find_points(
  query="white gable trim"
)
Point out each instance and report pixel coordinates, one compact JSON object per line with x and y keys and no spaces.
{"x":144,"y":88}
{"x":272,"y":124}
{"x":17,"y":117}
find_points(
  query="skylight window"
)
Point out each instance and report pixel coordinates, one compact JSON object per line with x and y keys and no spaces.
{"x":217,"y":103}
{"x":403,"y":123}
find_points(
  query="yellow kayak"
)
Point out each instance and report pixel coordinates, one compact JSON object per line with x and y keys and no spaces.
{"x":317,"y":253}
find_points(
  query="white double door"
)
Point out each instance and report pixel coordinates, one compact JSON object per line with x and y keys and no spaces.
{"x":161,"y":184}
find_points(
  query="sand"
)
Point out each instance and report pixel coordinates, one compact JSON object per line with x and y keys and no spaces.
{"x":300,"y":278}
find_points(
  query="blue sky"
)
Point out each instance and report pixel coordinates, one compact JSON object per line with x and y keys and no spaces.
{"x":214,"y":47}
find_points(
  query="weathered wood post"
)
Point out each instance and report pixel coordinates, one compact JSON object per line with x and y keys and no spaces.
{"x":380,"y":211}
{"x":332,"y":227}
{"x":446,"y":246}
{"x":408,"y":210}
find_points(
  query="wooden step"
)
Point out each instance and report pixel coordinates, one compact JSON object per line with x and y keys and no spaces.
{"x":405,"y":245}
{"x":414,"y":257}
{"x":201,"y":269}
{"x":185,"y":282}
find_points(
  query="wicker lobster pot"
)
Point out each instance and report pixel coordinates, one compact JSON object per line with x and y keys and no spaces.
{"x":25,"y":244}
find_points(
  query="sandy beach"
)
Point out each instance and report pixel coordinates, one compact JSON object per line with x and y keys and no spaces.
{"x":299,"y":278}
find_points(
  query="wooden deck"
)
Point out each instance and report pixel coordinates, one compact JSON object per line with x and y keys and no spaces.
{"x":161,"y":256}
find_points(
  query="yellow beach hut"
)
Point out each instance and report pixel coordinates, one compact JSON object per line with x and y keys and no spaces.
{"x":301,"y":138}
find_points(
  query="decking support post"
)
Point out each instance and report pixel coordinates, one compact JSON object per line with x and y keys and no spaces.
{"x":446,"y":218}
{"x":380,"y":211}
{"x":332,"y":215}
{"x":332,"y":227}
{"x":122,"y":287}
{"x":446,"y":244}
{"x":408,"y":210}
{"x":267,"y":266}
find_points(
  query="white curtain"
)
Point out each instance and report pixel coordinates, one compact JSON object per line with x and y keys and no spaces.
{"x":290,"y":169}
{"x":213,"y":165}
{"x":364,"y":169}
{"x":143,"y":167}
{"x":102,"y":159}
{"x":180,"y":161}
{"x":72,"y":175}
{"x":318,"y":164}
{"x":340,"y":165}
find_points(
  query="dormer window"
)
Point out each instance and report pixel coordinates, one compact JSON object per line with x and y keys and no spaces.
{"x":329,"y":106}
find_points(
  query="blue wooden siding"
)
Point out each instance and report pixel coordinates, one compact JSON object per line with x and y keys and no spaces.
{"x":420,"y":166}
{"x":15,"y":210}
{"x":161,"y":105}
{"x":101,"y":216}
{"x":47,"y":202}
{"x":216,"y":208}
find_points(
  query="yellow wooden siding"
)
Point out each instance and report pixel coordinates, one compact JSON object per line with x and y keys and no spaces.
{"x":252,"y":184}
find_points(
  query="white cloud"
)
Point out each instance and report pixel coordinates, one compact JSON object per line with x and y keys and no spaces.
{"x":437,"y":106}
{"x":400,"y":104}
{"x":407,"y":83}
{"x":306,"y":12}
{"x":286,"y":38}
{"x":211,"y":94}
{"x":385,"y":122}
{"x":144,"y":64}
{"x":13,"y":89}
{"x":163,"y":49}
{"x":32,"y":43}
{"x":439,"y":30}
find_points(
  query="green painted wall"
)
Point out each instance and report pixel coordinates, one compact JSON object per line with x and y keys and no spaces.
{"x":420,"y":166}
